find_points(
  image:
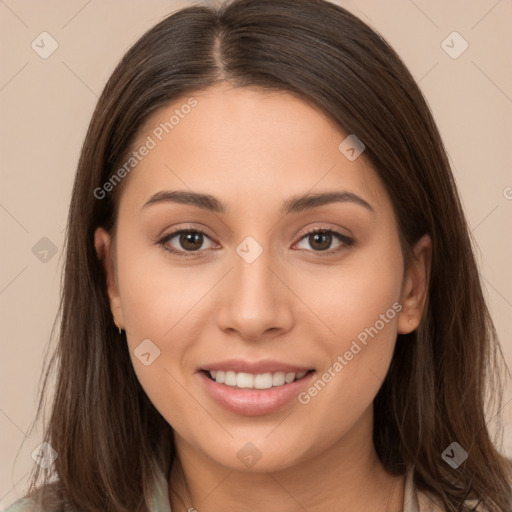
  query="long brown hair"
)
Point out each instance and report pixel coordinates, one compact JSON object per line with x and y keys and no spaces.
{"x":108,"y":435}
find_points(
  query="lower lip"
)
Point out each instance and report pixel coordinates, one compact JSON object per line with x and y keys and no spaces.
{"x":254,"y":402}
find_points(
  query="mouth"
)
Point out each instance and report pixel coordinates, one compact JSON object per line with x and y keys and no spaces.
{"x":261,"y":381}
{"x":254,"y":394}
{"x":254,"y":388}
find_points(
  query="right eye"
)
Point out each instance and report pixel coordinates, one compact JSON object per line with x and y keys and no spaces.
{"x":190,"y":240}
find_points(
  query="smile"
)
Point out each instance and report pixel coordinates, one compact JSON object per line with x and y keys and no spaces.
{"x":254,"y":394}
{"x":244,"y":380}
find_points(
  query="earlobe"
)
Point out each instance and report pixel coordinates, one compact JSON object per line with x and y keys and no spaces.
{"x":415,"y":286}
{"x":104,"y":250}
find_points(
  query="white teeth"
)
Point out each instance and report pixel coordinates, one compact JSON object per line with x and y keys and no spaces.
{"x":244,"y":380}
{"x":251,"y":381}
{"x":230,"y":379}
{"x":278,"y":379}
{"x":263,"y":381}
{"x":289,"y":377}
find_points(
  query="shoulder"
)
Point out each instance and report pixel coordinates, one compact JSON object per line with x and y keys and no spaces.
{"x":429,"y":504}
{"x":47,"y":500}
{"x":416,"y":500}
{"x":22,"y":505}
{"x":50,"y":500}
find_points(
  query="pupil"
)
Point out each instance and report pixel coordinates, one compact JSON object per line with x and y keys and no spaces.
{"x":190,"y":238}
{"x":318,"y":236}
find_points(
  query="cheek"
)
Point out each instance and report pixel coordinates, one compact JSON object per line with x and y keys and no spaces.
{"x":156,"y":293}
{"x":360,"y":304}
{"x":351,"y":296}
{"x":162,"y":309}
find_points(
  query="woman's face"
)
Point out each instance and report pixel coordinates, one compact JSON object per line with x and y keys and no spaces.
{"x":249,"y":289}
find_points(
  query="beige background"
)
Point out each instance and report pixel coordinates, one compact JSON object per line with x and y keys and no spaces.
{"x":46,"y":105}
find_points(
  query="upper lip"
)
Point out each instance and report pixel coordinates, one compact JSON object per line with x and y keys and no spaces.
{"x":255,"y":367}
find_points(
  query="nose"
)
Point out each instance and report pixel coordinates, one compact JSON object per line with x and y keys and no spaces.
{"x":254,"y":302}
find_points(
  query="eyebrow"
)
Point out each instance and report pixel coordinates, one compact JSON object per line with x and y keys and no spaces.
{"x":295,"y":204}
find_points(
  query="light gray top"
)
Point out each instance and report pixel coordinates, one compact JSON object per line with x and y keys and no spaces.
{"x":414,"y":500}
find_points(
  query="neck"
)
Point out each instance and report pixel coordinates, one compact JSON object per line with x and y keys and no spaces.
{"x":347,"y":475}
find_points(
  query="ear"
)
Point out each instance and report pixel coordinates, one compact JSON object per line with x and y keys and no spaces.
{"x":415,"y":286}
{"x":104,"y":249}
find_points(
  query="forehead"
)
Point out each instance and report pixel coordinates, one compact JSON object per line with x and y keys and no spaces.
{"x":246,"y":143}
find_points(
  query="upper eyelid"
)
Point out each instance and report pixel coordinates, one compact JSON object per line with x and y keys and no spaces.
{"x":304,"y":233}
{"x":343,"y":239}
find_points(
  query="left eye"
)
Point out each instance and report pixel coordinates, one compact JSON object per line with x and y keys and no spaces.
{"x":321,"y":239}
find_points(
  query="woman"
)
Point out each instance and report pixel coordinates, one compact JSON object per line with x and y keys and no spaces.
{"x":270,"y":296}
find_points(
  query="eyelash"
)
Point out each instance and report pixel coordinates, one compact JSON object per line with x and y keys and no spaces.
{"x":346,"y":241}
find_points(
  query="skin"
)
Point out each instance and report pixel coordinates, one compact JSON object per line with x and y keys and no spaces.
{"x":253,"y":150}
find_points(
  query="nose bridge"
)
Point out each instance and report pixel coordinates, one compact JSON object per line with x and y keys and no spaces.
{"x":253,"y":300}
{"x":252,"y":277}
